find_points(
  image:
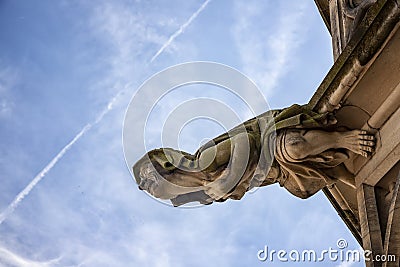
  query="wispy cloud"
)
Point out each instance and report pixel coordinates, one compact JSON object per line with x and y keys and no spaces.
{"x":346,"y":264}
{"x":20,"y":197}
{"x":17,"y":200}
{"x":5,"y":107}
{"x":11,"y":259}
{"x":89,"y":201}
{"x":180,"y":30}
{"x":352,"y":261}
{"x":8,"y":79}
{"x":265,"y":53}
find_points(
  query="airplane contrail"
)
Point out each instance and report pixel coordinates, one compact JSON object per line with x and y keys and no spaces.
{"x":17,"y":200}
{"x":180,"y":30}
{"x":14,"y":204}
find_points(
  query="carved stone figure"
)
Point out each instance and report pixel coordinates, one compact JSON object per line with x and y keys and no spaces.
{"x":294,"y":147}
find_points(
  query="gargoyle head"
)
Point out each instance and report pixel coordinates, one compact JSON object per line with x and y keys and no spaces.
{"x":169,"y":174}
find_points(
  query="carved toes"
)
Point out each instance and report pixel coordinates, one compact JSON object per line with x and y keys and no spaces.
{"x":360,"y":142}
{"x":366,"y":148}
{"x":366,"y":143}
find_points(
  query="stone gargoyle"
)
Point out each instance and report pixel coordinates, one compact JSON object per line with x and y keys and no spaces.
{"x":301,"y":150}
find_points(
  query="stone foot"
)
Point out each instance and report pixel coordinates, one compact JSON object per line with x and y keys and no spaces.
{"x":358,"y":141}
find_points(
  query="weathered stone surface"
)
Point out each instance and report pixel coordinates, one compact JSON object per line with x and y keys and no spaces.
{"x":365,"y":83}
{"x":293,"y":147}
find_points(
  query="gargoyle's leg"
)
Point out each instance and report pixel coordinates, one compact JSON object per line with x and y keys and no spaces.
{"x":300,"y":144}
{"x":342,"y":174}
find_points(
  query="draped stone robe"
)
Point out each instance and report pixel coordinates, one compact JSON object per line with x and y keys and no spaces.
{"x":269,"y":161}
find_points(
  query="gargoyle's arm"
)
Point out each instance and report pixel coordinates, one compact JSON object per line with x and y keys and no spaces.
{"x":241,"y":147}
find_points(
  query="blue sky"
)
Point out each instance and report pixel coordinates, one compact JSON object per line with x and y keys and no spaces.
{"x":68,"y":69}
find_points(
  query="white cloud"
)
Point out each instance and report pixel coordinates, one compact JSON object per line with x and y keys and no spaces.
{"x":135,"y":35}
{"x":352,"y":261}
{"x":89,"y":209}
{"x":26,"y":191}
{"x":8,"y":79}
{"x":126,"y":62}
{"x":127,"y":34}
{"x":10,"y":259}
{"x":180,"y":30}
{"x":266,"y":49}
{"x":114,"y":20}
{"x":346,"y":264}
{"x":5,"y":108}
